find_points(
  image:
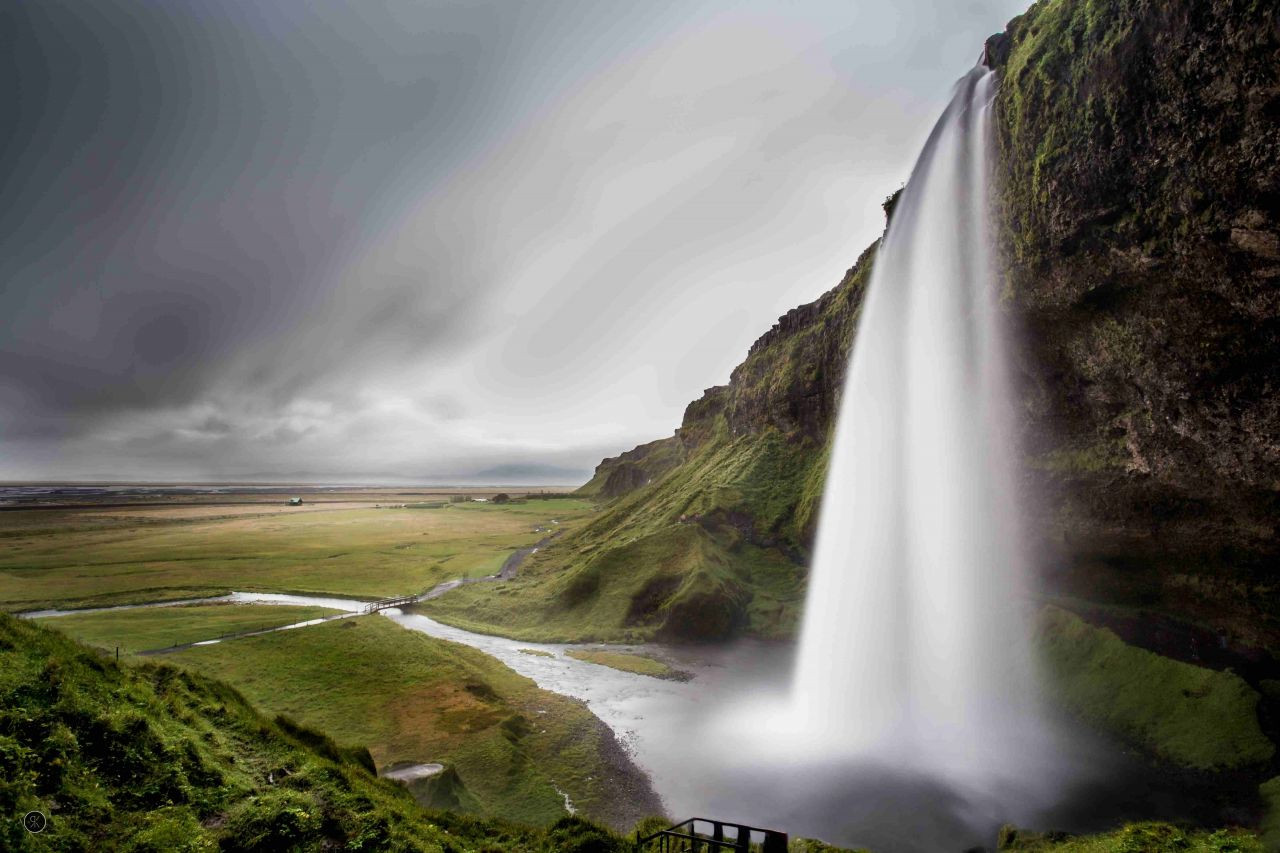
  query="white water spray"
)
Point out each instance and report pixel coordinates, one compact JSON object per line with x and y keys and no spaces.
{"x":913,"y":647}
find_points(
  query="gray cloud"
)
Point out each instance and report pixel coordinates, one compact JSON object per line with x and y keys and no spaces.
{"x":397,"y":237}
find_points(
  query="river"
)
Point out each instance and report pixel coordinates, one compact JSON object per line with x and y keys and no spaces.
{"x":709,"y":748}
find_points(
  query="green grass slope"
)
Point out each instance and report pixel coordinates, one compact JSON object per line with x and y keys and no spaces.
{"x":1185,"y":714}
{"x":151,"y":758}
{"x":415,"y":699}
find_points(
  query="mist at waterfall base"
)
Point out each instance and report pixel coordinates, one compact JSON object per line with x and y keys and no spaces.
{"x":912,"y":722}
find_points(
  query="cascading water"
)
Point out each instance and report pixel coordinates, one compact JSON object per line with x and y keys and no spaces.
{"x":913,"y":646}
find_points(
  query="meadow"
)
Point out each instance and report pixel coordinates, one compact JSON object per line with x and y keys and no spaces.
{"x":516,"y":749}
{"x":510,"y":749}
{"x":142,"y":756}
{"x":87,"y":557}
{"x":133,"y":631}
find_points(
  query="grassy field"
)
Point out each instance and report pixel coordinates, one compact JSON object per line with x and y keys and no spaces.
{"x":414,"y":699}
{"x":146,"y":629}
{"x":97,"y":556}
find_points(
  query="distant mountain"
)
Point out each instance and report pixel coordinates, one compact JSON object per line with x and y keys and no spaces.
{"x":532,"y":473}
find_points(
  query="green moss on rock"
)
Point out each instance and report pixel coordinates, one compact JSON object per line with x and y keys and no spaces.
{"x":1185,"y":714}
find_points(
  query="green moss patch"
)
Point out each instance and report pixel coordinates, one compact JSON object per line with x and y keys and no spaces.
{"x":1189,"y":715}
{"x":639,"y":664}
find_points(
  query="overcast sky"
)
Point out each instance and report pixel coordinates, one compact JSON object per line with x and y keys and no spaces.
{"x":412,"y":239}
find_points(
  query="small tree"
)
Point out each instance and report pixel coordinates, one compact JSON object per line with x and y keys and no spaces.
{"x":501,"y":498}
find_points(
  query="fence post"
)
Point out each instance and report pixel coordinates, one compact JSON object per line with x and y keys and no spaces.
{"x":774,"y":842}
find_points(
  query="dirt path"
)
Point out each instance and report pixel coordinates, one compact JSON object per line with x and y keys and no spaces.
{"x":508,"y":571}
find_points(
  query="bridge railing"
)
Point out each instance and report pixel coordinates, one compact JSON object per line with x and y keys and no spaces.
{"x":383,"y":604}
{"x":691,"y":836}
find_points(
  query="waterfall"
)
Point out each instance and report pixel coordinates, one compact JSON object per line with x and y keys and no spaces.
{"x":913,"y":646}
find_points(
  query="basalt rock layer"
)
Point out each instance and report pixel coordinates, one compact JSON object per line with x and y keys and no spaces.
{"x":1139,"y":147}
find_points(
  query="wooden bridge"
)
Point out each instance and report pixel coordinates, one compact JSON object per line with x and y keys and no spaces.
{"x":385,"y":603}
{"x":700,"y":835}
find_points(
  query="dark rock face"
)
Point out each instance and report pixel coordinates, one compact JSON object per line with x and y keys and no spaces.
{"x":995,"y":52}
{"x":622,"y":478}
{"x":1139,"y":174}
{"x":1140,"y":156}
{"x":635,"y":468}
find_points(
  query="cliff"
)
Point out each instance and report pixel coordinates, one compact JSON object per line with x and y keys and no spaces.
{"x":1139,"y":207}
{"x":1140,"y":158}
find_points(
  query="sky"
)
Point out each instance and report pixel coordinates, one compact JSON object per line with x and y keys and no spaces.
{"x":413,"y":240}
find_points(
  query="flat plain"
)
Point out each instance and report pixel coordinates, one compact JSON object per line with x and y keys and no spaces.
{"x":149,"y":629}
{"x":368,"y":548}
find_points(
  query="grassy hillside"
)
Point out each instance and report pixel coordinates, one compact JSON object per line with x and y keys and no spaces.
{"x":148,"y":757}
{"x":412,"y":699}
{"x":701,"y":553}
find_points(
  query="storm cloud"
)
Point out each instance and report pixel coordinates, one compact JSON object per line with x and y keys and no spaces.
{"x":421,"y":239}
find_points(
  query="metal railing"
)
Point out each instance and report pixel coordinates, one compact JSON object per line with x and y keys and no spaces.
{"x":399,"y":601}
{"x":687,"y":837}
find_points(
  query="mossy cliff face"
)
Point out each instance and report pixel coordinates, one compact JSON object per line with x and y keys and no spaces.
{"x":789,"y":384}
{"x":1139,"y":158}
